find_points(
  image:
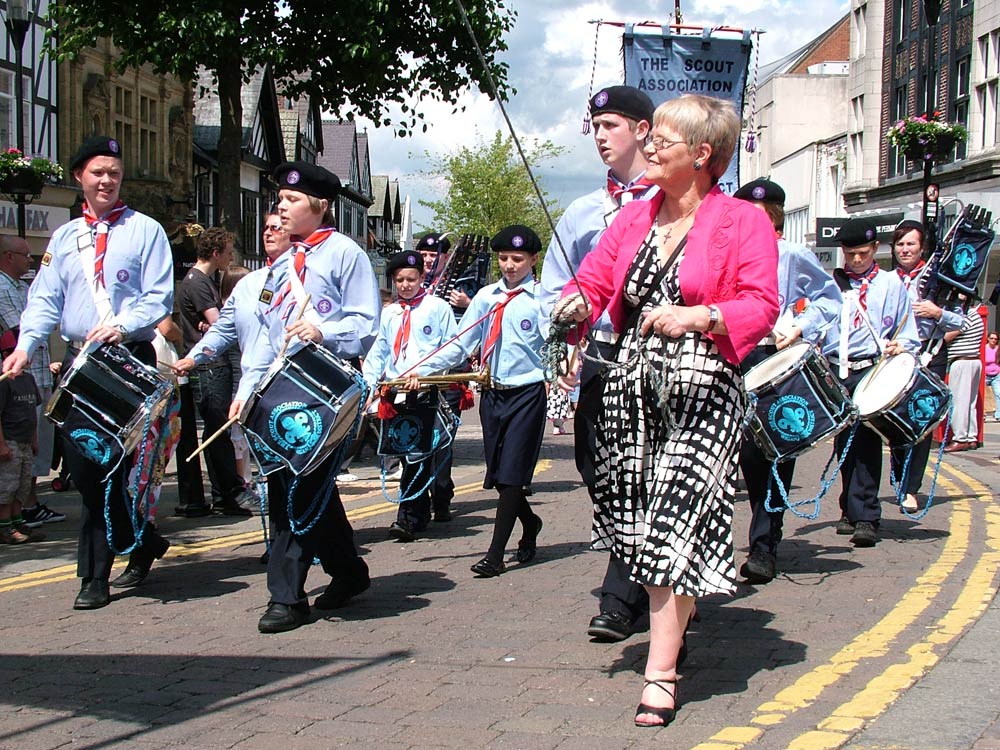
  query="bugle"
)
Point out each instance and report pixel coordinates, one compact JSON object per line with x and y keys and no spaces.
{"x":426,"y":381}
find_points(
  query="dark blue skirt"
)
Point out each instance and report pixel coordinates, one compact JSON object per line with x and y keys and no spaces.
{"x":513,"y":425}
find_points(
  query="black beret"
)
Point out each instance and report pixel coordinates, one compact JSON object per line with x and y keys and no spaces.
{"x":857,"y":232}
{"x":761,"y":190}
{"x":516,"y":237}
{"x":434,"y":241}
{"x":406,"y":259}
{"x":622,"y":100}
{"x":307,"y":178}
{"x":95,"y":145}
{"x":908,"y":224}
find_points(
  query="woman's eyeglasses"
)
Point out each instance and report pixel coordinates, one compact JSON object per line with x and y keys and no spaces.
{"x":659,"y":143}
{"x":273,"y":228}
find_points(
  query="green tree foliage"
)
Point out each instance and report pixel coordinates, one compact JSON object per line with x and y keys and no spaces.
{"x":489,"y":188}
{"x":353,"y":58}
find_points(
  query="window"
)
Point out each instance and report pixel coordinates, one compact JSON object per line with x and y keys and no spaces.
{"x":8,"y":112}
{"x":149,"y":136}
{"x":796,"y":225}
{"x":963,"y":70}
{"x":860,"y":36}
{"x":897,"y":162}
{"x":123,"y":115}
{"x":986,"y":90}
{"x":899,"y":25}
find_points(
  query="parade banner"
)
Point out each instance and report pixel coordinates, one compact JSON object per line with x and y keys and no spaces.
{"x":667,"y":65}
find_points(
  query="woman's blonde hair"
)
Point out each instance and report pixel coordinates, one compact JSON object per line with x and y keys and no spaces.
{"x":703,"y":119}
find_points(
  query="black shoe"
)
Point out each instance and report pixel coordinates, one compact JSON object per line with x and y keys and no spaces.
{"x":442,"y":516}
{"x":194,"y":510}
{"x":338,"y":592}
{"x":231,"y":508}
{"x":94,"y":594}
{"x":486,"y":569}
{"x":759,"y":567}
{"x":265,"y":558}
{"x":844,"y":526}
{"x":610,"y":626}
{"x":140,"y":561}
{"x":865,"y":534}
{"x":402,"y":531}
{"x":281,"y":618}
{"x":665,"y":715}
{"x":526,"y":548}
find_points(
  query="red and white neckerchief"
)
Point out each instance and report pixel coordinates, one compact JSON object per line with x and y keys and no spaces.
{"x":302,"y":247}
{"x":403,"y":334}
{"x":907,"y":277}
{"x":102,"y":225}
{"x":496,"y":324}
{"x":622,"y":193}
{"x":865,"y":279}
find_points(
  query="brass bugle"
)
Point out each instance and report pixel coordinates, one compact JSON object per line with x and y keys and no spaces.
{"x":482,"y":377}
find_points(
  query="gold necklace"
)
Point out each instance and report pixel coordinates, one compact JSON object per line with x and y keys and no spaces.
{"x":664,"y":233}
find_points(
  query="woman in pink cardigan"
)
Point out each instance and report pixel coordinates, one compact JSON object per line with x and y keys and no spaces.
{"x":689,"y":279}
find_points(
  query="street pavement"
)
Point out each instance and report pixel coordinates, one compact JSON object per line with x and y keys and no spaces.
{"x":897,"y":646}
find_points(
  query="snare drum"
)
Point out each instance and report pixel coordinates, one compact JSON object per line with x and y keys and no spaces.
{"x":113,"y":390}
{"x":304,"y":408}
{"x":423,"y":423}
{"x":902,"y":400}
{"x":799,"y":402}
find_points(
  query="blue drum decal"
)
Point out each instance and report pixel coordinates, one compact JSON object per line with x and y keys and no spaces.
{"x":295,"y":427}
{"x":792,"y":418}
{"x":94,"y":447}
{"x":405,"y":433}
{"x":964,"y":259}
{"x":922,"y":406}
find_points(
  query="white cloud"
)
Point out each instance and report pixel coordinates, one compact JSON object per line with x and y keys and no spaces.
{"x":551,"y":56}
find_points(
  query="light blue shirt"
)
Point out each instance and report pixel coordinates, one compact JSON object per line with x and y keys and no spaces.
{"x":138,"y":274}
{"x":432,"y":323}
{"x":579,"y":228}
{"x":344,"y":294}
{"x":800,"y":276}
{"x":237,"y":323}
{"x":888,"y":304}
{"x":952,"y":316}
{"x":516,"y":360}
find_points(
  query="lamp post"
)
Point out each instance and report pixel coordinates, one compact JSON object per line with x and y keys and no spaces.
{"x":929,"y":217}
{"x":18,"y":23}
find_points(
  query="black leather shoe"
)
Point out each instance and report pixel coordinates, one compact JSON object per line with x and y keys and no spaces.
{"x":442,"y":516}
{"x":759,"y":568}
{"x":526,"y":548}
{"x":338,"y":592}
{"x":401,"y":531}
{"x":865,"y":534}
{"x":486,"y":569}
{"x":94,"y":594}
{"x":280,"y":618}
{"x":844,"y":526}
{"x":140,"y":561}
{"x":199,"y":510}
{"x":610,"y":626}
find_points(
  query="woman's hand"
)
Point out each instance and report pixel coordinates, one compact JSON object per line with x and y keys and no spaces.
{"x":572,"y":309}
{"x":672,"y":321}
{"x":788,"y":338}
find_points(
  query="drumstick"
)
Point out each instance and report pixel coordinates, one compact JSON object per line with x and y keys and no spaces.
{"x":6,"y":375}
{"x":302,"y":310}
{"x":229,"y":423}
{"x":883,"y":359}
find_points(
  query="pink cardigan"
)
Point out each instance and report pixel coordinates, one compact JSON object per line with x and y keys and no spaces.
{"x":731,"y":260}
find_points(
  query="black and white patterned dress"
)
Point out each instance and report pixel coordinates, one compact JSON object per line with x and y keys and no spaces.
{"x":665,"y":487}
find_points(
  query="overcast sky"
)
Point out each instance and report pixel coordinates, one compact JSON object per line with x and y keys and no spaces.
{"x":550,"y":57}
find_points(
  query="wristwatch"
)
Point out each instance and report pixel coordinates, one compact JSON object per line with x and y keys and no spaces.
{"x":713,"y":317}
{"x":121,"y":330}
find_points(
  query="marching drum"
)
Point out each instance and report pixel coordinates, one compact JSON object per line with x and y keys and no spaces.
{"x":423,"y":423}
{"x":113,"y":390}
{"x":901,"y":400}
{"x":303,"y":408}
{"x":799,"y":402}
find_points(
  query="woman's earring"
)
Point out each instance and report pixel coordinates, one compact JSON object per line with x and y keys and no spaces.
{"x":697,"y":166}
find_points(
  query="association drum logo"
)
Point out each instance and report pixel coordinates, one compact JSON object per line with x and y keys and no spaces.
{"x":791,"y":418}
{"x":295,"y":427}
{"x":405,"y":433}
{"x":92,"y":446}
{"x":964,"y":259}
{"x":922,"y":406}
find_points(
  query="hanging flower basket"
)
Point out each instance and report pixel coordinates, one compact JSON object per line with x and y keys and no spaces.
{"x":927,"y":140}
{"x":23,"y":176}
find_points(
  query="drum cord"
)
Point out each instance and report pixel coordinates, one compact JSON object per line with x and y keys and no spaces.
{"x":900,"y":486}
{"x":825,"y":484}
{"x":319,"y":503}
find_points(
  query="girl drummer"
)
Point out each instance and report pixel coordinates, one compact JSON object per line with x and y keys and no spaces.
{"x":506,"y":321}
